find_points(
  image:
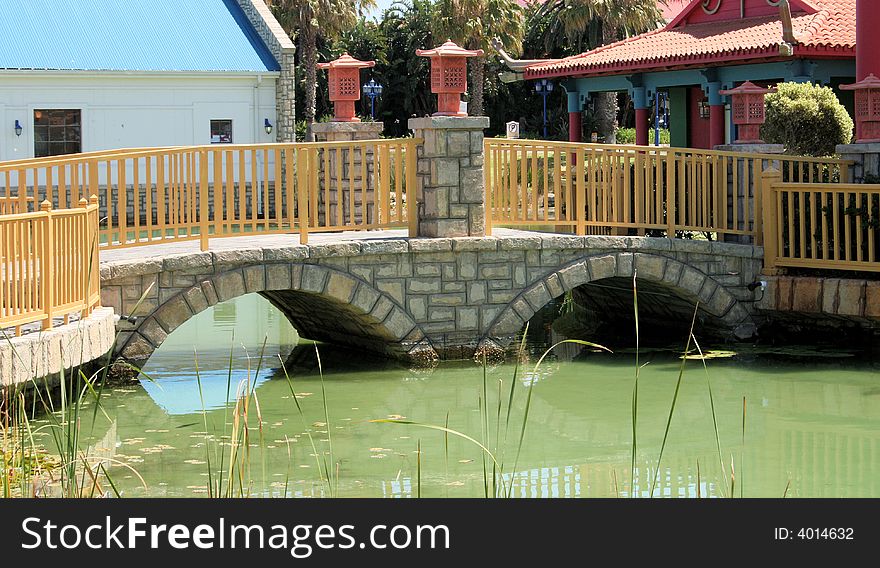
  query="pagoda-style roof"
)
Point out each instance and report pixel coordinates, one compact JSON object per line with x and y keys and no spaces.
{"x":346,"y":61}
{"x":698,"y":37}
{"x":449,"y":49}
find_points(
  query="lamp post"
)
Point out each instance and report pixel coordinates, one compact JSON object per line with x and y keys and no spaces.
{"x":661,"y":115}
{"x":544,"y":87}
{"x":373,"y":90}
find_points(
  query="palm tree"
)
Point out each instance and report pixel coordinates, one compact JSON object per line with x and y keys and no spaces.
{"x":308,"y":20}
{"x":586,"y":24}
{"x":472,"y":24}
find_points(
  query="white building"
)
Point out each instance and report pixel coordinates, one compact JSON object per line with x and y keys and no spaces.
{"x":87,"y":75}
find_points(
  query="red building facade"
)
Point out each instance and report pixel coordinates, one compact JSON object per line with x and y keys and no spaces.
{"x":717,"y":45}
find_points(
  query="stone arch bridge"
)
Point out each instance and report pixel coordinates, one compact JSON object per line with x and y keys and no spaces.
{"x":423,"y":298}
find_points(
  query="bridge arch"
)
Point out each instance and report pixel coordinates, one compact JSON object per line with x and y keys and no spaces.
{"x":684,"y":281}
{"x":321,"y":302}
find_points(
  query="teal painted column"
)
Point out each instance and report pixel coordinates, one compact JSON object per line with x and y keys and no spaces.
{"x":716,"y":113}
{"x":641,"y":105}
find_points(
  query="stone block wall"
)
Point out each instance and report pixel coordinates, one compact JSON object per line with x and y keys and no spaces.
{"x":450,"y":172}
{"x":47,"y":353}
{"x":849,"y":299}
{"x":352,"y":189}
{"x":865,"y":158}
{"x":406,"y":298}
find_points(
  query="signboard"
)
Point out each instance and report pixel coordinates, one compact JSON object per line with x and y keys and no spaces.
{"x":513,"y":129}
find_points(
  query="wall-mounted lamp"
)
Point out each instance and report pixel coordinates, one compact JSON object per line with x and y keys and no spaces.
{"x":18,"y":128}
{"x":267,"y":125}
{"x":704,"y":109}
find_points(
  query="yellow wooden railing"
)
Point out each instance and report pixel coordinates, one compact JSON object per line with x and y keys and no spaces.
{"x":820,"y":225}
{"x":48,"y":265}
{"x":597,"y":188}
{"x":187,"y":193}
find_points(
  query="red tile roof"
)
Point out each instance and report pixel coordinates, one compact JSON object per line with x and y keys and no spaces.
{"x":672,"y":8}
{"x":828,"y":33}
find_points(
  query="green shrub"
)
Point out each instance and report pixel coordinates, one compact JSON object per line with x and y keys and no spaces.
{"x":807,"y":119}
{"x":628,"y":136}
{"x":302,"y":127}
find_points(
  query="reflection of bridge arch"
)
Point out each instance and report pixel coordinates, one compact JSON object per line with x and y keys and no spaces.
{"x":322,"y":303}
{"x":679,"y":280}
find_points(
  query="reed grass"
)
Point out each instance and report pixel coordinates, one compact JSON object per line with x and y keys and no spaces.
{"x":68,"y":471}
{"x":230,"y":464}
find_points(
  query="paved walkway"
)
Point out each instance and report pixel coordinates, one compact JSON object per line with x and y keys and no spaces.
{"x":270,"y":241}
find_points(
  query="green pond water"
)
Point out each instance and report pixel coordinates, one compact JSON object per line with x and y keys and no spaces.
{"x":812,"y":420}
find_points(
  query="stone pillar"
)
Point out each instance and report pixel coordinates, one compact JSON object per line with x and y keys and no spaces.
{"x":866,"y":161}
{"x":346,"y":132}
{"x":739,"y":194}
{"x":285,"y":100}
{"x":451,"y":196}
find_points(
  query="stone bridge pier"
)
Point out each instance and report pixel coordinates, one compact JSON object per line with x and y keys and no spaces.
{"x":423,"y":298}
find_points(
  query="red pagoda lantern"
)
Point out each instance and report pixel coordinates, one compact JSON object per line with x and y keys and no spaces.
{"x":867,"y":108}
{"x":344,"y":81}
{"x":449,"y":75}
{"x":748,"y":111}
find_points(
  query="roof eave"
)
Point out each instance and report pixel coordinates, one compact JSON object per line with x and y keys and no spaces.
{"x":769,"y":54}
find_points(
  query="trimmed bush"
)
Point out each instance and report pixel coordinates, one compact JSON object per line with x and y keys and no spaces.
{"x":628,"y":136}
{"x":807,"y":119}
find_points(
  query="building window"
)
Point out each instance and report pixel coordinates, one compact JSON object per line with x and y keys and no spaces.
{"x":57,"y":132}
{"x":221,"y":132}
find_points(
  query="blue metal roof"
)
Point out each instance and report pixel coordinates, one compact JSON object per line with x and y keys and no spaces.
{"x":144,"y":35}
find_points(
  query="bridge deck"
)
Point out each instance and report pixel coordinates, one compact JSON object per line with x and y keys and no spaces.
{"x":273,"y":240}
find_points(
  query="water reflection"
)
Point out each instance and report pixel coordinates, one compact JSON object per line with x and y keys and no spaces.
{"x":812,"y":425}
{"x":231,"y":342}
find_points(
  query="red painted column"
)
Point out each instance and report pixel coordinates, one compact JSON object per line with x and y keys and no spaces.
{"x":716,"y":125}
{"x":574,"y":127}
{"x":867,"y":38}
{"x":642,"y":126}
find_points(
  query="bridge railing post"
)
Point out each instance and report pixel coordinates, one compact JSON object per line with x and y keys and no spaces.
{"x":581,"y":206}
{"x":302,"y":192}
{"x":203,"y":199}
{"x":670,"y":191}
{"x":412,"y":189}
{"x":47,"y":266}
{"x":770,"y":177}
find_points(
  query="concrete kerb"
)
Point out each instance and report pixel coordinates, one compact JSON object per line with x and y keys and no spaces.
{"x":48,"y":353}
